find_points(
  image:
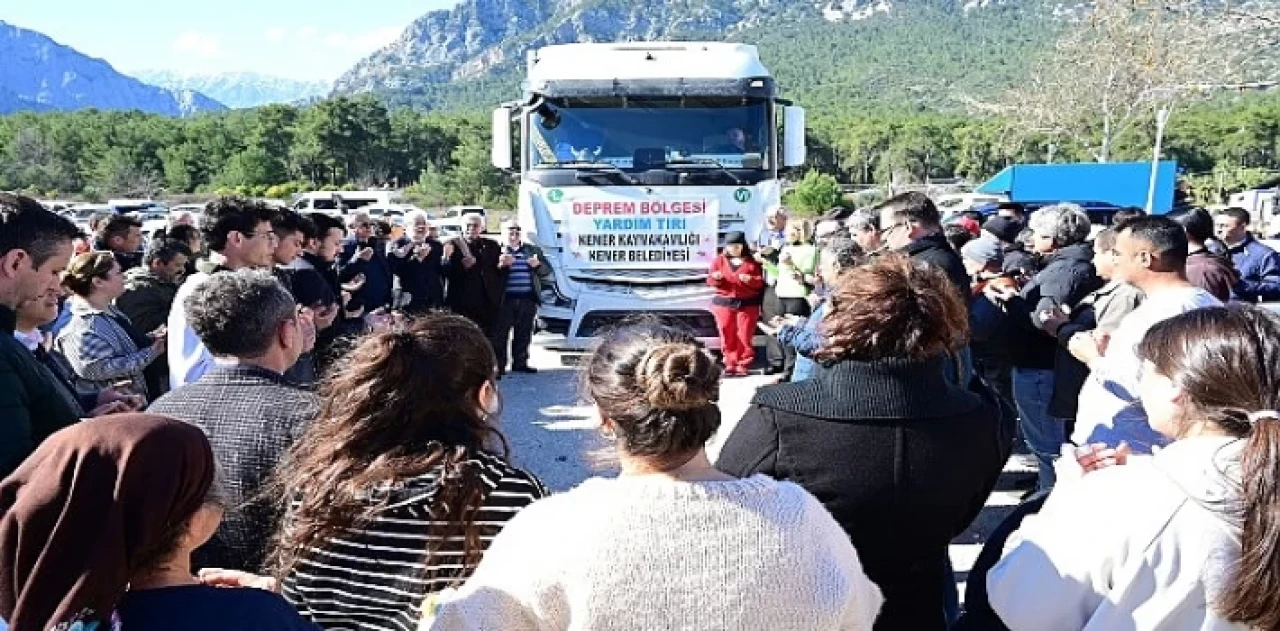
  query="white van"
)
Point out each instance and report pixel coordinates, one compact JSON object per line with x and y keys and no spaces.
{"x":338,"y":203}
{"x":454,"y":219}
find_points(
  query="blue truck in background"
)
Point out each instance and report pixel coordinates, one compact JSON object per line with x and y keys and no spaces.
{"x":1098,"y":186}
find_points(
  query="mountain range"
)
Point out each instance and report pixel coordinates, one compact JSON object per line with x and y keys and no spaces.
{"x":840,"y":56}
{"x":834,"y":53}
{"x":37,"y":73}
{"x":239,"y":89}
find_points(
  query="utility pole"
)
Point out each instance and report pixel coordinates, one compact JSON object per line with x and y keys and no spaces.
{"x":1162,"y":118}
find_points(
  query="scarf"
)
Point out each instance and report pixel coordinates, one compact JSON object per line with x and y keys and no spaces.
{"x":75,"y":516}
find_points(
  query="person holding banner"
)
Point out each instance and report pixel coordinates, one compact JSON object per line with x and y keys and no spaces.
{"x":739,"y":283}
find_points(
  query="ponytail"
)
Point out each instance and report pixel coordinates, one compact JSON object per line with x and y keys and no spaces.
{"x":1252,"y":594}
{"x":1227,"y":360}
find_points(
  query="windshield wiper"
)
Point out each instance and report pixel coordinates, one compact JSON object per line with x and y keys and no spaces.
{"x":708,"y":162}
{"x":589,"y":165}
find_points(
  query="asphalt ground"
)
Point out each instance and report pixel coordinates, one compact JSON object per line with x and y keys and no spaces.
{"x":552,"y":433}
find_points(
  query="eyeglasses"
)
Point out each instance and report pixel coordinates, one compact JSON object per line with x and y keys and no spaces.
{"x":364,"y":224}
{"x":895,"y":226}
{"x":270,"y":235}
{"x":513,"y":230}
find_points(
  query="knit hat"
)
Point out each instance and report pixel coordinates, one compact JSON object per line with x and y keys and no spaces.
{"x":983,"y":250}
{"x":1003,"y":228}
{"x":970,"y":225}
{"x":735,"y":237}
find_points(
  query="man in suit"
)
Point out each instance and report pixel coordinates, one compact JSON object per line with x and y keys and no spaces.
{"x":416,"y":261}
{"x":251,"y":413}
{"x":363,"y":261}
{"x":475,"y":282}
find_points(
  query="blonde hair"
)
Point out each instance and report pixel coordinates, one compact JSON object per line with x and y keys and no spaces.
{"x":797,"y":223}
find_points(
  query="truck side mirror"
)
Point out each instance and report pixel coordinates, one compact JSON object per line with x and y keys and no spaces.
{"x":793,"y":153}
{"x":502,"y":138}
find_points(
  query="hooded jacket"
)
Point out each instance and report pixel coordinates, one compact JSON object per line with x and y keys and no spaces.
{"x":1147,"y":545}
{"x":146,"y":298}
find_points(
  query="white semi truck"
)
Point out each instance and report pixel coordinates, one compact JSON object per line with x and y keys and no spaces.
{"x":635,"y":160}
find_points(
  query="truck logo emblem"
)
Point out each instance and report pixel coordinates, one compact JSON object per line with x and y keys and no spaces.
{"x":555,"y":195}
{"x":742,"y":196}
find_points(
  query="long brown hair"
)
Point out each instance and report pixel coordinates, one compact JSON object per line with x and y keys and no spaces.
{"x":1227,"y":361}
{"x":401,"y":404}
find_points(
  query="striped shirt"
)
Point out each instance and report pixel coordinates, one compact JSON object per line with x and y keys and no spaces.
{"x":520,"y":278}
{"x":376,"y":576}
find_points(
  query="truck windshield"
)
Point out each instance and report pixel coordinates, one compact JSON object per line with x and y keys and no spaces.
{"x":648,"y":133}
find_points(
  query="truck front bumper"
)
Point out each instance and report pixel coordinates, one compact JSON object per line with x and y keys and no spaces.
{"x":576,"y":329}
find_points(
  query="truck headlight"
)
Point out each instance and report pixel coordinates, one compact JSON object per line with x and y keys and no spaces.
{"x":552,"y":297}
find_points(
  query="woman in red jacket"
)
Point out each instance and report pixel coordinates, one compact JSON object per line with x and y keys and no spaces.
{"x":739,"y":283}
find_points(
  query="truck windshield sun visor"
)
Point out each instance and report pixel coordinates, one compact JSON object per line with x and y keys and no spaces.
{"x":749,"y":87}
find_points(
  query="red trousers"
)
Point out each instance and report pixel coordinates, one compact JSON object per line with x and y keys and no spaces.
{"x":737,"y":328}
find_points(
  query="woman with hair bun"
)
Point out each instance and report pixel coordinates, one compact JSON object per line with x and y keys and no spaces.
{"x":1186,"y":538}
{"x":672,"y":542}
{"x":100,"y":342}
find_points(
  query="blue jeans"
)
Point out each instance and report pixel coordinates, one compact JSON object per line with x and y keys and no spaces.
{"x":1045,"y":434}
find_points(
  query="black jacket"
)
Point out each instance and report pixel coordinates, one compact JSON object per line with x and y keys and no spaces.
{"x":476,"y":293}
{"x":1103,"y":309}
{"x":31,"y":407}
{"x":376,"y":291}
{"x":902,"y":459}
{"x":1067,"y":277}
{"x":1019,"y":262}
{"x":935,"y":250}
{"x":423,"y":279}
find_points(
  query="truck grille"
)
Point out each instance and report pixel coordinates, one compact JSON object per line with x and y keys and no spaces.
{"x":639,"y":276}
{"x":648,"y":292}
{"x":698,"y":323}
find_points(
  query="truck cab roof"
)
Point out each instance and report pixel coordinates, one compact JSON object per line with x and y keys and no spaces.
{"x":640,"y":61}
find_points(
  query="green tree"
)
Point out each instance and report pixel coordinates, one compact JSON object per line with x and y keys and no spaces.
{"x":251,"y":167}
{"x":815,"y":194}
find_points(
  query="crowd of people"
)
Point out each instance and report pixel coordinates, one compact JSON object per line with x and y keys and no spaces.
{"x":315,"y":460}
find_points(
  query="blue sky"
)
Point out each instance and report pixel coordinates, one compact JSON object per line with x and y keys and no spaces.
{"x":300,"y":39}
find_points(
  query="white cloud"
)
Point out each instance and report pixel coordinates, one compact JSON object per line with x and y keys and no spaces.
{"x":201,"y":45}
{"x":275,"y":35}
{"x":307,"y":33}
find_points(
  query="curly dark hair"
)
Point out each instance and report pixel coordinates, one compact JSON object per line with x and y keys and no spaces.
{"x":225,"y":215}
{"x":401,"y":404}
{"x":236,"y":314}
{"x":893,"y":307}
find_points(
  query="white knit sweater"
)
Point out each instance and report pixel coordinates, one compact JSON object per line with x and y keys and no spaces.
{"x":652,"y":554}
